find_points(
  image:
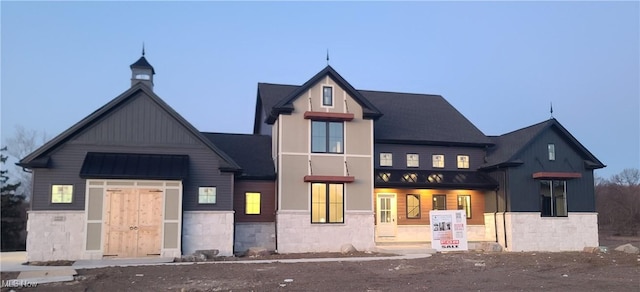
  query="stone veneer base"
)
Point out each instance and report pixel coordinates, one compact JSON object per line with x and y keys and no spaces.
{"x":255,"y":234}
{"x":296,"y":234}
{"x":207,"y":230}
{"x":527,"y":231}
{"x":55,"y":235}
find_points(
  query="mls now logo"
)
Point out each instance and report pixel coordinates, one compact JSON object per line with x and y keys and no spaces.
{"x":16,"y":283}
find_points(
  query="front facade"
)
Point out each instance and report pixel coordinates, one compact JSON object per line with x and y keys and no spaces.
{"x":327,"y":165}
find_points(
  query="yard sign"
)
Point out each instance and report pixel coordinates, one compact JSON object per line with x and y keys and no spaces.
{"x":448,"y":230}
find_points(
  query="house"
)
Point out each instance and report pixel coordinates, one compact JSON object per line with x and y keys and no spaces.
{"x":326,"y":165}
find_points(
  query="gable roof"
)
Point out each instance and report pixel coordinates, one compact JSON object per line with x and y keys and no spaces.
{"x":422,"y":118}
{"x":283,"y":104}
{"x":251,"y":152}
{"x":226,"y":164}
{"x":510,"y":145}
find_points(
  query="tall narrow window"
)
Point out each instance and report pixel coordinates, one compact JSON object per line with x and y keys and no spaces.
{"x":413,"y":160}
{"x":464,"y":203}
{"x":386,"y":159}
{"x":553,"y":198}
{"x":327,"y":137}
{"x":438,"y":161}
{"x":252,"y":201}
{"x":327,"y":203}
{"x":439,"y":202}
{"x":206,"y":195}
{"x":327,"y":96}
{"x":413,"y":206}
{"x":61,"y":194}
{"x":463,"y":161}
{"x":552,"y":151}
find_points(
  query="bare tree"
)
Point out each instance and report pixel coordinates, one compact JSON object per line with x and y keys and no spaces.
{"x":21,"y":144}
{"x":618,"y":202}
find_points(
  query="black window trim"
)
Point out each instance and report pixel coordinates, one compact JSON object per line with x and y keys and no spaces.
{"x":327,"y":139}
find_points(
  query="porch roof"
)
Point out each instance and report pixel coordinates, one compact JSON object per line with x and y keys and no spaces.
{"x":433,"y":179}
{"x":135,"y":166}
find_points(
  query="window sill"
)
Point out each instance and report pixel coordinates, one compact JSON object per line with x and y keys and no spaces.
{"x":326,"y":116}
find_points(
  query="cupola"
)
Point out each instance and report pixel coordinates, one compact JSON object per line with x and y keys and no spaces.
{"x":142,"y":71}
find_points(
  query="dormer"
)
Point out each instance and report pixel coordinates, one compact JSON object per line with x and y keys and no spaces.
{"x":142,"y":71}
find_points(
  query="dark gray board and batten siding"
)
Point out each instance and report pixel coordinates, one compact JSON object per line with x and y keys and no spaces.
{"x":524,"y":191}
{"x":425,"y":152}
{"x":138,"y":126}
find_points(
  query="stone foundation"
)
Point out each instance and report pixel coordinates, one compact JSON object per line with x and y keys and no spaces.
{"x":530,"y":232}
{"x":255,"y":234}
{"x":204,"y":230}
{"x":296,"y":233}
{"x":55,"y":235}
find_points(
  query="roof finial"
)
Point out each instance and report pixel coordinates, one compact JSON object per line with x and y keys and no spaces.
{"x":143,"y":49}
{"x":551,"y":109}
{"x":327,"y":57}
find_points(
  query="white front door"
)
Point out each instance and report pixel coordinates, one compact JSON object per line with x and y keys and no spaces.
{"x":386,"y":215}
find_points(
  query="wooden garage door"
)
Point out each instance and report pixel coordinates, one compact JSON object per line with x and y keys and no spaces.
{"x":133,"y":222}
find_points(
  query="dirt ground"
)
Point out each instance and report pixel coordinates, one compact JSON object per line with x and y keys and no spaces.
{"x":463,"y":271}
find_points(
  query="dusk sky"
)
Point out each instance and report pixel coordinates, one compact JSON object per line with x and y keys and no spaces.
{"x":500,"y":64}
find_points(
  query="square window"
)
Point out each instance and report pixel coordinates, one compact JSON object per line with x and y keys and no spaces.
{"x":327,"y":137}
{"x":206,"y":195}
{"x":327,"y":203}
{"x":413,"y":160}
{"x":413,"y":206}
{"x":464,"y":203}
{"x":463,"y":161}
{"x":252,"y":201}
{"x":552,"y":151}
{"x":439,"y":202}
{"x":553,"y":198}
{"x":438,"y":161}
{"x":61,"y":194}
{"x":327,"y":96}
{"x":386,"y":159}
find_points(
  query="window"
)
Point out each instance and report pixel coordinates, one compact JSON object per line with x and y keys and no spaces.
{"x":386,"y":159}
{"x":327,"y":96}
{"x":206,"y":195}
{"x":438,"y":161}
{"x":553,"y":197}
{"x":252,"y":203}
{"x":413,"y":160}
{"x":61,"y":194}
{"x":327,"y":203}
{"x":439,"y":202}
{"x":463,"y":161}
{"x":410,"y":177}
{"x":326,"y":137}
{"x":413,"y":206}
{"x":464,"y":203}
{"x":552,"y":151}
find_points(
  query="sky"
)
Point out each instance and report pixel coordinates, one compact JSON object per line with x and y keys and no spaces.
{"x":501,"y":64}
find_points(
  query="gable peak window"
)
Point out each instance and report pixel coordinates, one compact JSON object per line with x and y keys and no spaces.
{"x":327,"y":96}
{"x":327,"y":137}
{"x":386,"y":159}
{"x":552,"y":151}
{"x":413,"y":160}
{"x":438,"y":160}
